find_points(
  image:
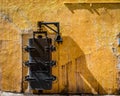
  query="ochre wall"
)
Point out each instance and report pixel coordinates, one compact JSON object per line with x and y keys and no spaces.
{"x":10,"y":57}
{"x":86,"y":60}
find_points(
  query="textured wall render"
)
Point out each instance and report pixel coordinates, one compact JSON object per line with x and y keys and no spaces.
{"x":86,"y":61}
{"x":10,"y":58}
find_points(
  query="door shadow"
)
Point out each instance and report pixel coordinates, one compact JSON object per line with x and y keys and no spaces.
{"x":76,"y":77}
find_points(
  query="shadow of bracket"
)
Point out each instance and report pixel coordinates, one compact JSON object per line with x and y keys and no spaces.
{"x":92,"y":7}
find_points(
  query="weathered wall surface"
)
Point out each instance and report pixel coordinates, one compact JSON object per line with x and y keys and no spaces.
{"x":87,"y":58}
{"x":10,"y":58}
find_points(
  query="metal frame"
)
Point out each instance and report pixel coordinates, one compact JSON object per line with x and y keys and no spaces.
{"x":57,"y":31}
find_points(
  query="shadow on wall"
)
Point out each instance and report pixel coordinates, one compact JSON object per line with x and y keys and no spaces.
{"x":92,"y":7}
{"x":75,"y":75}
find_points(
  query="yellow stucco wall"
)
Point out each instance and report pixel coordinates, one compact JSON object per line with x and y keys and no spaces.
{"x":86,"y":60}
{"x":10,"y":57}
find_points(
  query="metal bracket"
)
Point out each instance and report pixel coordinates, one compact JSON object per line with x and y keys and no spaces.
{"x":58,"y":37}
